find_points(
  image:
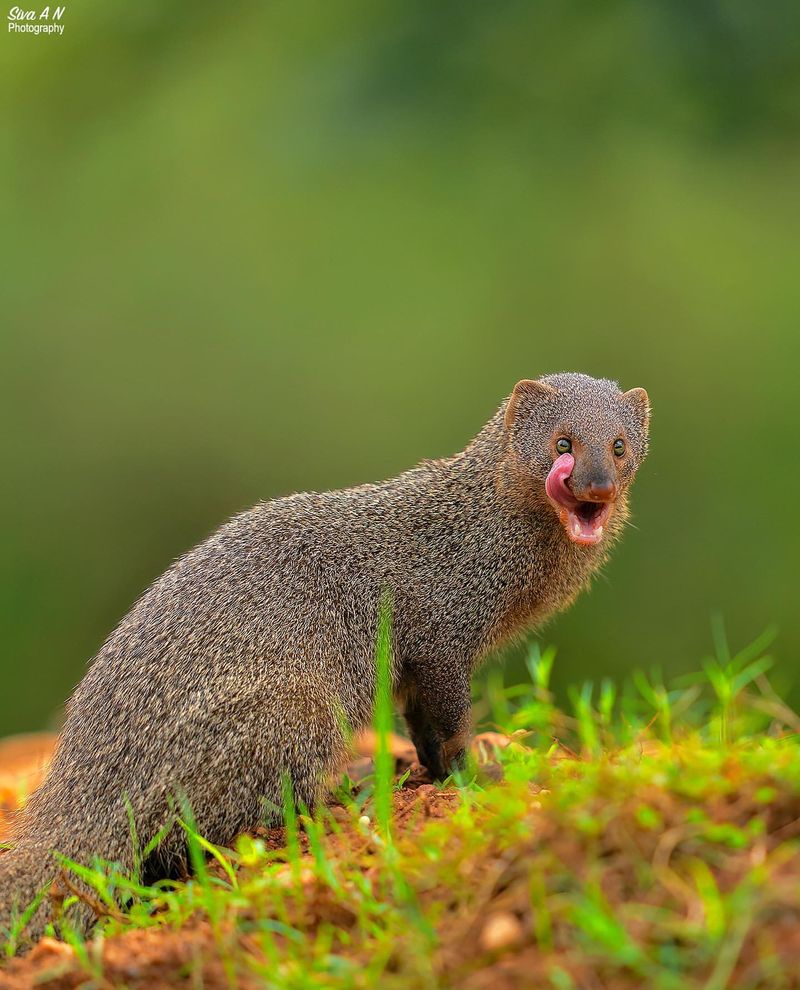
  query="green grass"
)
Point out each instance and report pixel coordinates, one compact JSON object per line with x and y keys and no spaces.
{"x":647,"y":837}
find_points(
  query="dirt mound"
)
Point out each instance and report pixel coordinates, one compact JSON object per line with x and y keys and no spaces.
{"x":661,"y":864}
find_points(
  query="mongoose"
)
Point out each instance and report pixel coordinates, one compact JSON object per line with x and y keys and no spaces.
{"x":249,"y":657}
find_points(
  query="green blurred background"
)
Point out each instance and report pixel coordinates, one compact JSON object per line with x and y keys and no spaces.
{"x":255,"y":248}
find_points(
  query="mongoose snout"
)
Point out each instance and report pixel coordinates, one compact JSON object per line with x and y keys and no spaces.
{"x":583,"y":516}
{"x":251,"y":659}
{"x":602,"y":490}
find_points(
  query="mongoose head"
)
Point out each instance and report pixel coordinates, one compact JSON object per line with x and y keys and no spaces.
{"x":577,"y":443}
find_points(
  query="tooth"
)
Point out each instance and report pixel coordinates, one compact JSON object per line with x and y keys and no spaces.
{"x":599,"y":530}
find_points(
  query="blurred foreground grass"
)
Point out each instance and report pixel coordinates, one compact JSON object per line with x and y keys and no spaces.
{"x":647,"y":838}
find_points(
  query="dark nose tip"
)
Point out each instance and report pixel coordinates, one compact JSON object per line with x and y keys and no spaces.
{"x":602,"y":491}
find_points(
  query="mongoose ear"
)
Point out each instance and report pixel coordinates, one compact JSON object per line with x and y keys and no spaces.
{"x":639,"y":401}
{"x":525,"y":395}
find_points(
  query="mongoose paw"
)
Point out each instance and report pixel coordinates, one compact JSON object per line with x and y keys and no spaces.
{"x":440,"y":768}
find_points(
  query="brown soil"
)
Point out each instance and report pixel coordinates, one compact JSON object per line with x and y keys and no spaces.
{"x":487,"y":946}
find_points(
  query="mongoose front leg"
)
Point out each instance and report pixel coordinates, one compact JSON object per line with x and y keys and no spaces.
{"x":438,"y":715}
{"x":425,"y":738}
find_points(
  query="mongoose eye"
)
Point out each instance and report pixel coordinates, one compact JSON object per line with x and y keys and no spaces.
{"x":619,"y":447}
{"x":563,"y":446}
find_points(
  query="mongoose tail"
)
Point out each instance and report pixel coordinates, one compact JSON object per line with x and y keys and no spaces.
{"x":27,"y":872}
{"x":24,"y":873}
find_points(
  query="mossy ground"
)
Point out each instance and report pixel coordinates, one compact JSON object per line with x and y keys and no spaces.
{"x":649,"y":838}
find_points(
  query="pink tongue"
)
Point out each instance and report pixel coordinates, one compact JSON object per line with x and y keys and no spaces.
{"x":555,"y":485}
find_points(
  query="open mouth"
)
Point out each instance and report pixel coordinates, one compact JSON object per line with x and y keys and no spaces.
{"x":584,"y":522}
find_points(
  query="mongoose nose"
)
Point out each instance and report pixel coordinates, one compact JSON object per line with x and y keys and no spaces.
{"x":601,"y":491}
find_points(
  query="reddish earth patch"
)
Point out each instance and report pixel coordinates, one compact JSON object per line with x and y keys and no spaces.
{"x":23,"y":762}
{"x":153,"y":958}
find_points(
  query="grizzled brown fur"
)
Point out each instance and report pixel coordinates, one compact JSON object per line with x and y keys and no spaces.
{"x":250,"y":655}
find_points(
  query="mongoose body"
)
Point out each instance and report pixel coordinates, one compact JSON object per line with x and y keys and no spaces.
{"x":252,"y":655}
